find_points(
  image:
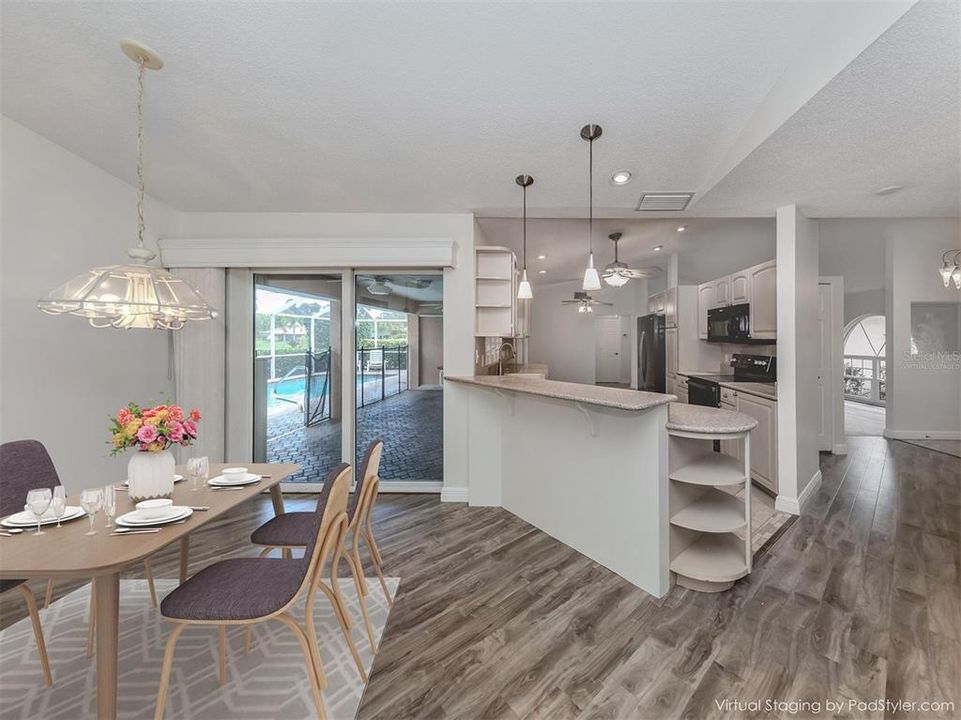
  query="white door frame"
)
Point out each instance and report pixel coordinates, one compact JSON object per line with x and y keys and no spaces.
{"x":835,"y":379}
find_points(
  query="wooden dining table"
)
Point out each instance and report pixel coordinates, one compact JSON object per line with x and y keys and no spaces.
{"x":67,"y":552}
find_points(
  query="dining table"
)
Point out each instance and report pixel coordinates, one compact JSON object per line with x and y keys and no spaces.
{"x":68,"y":552}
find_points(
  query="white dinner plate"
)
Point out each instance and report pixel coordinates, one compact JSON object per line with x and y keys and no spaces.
{"x":177,"y":479}
{"x":221,"y":481}
{"x":135,"y":519}
{"x":28,"y":519}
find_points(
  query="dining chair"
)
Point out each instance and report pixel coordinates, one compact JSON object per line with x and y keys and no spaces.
{"x":25,"y":464}
{"x":243,"y":591}
{"x":287,"y":531}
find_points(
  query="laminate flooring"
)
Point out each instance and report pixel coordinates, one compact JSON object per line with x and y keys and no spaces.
{"x":859,"y":599}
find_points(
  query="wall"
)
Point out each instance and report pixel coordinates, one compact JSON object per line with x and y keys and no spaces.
{"x":431,"y":354}
{"x":924,"y":395}
{"x":60,"y":378}
{"x":854,"y":249}
{"x":798,"y":412}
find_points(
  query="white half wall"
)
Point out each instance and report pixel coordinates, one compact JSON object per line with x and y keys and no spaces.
{"x":923,"y":393}
{"x":798,"y":414}
{"x":60,"y":378}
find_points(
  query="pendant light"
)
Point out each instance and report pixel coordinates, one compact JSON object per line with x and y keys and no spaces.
{"x":524,"y":289}
{"x":592,"y":280}
{"x":951,"y":269}
{"x":136,"y":295}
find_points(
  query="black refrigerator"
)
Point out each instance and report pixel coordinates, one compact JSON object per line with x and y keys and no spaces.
{"x":651,"y":361}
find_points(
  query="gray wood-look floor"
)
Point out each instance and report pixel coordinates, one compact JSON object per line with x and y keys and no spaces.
{"x":859,"y":599}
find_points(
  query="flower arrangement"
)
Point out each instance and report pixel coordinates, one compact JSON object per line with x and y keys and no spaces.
{"x":153,"y":429}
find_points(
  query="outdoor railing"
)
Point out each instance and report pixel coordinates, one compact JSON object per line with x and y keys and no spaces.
{"x":381,"y":372}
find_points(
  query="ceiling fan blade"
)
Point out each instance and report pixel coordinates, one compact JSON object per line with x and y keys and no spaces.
{"x":641,"y":272}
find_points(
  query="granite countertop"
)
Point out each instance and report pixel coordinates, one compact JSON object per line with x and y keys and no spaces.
{"x":703,"y":419}
{"x":576,"y":392}
{"x":764,"y":390}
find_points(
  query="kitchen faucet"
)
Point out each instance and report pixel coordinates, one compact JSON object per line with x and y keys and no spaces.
{"x":500,"y":356}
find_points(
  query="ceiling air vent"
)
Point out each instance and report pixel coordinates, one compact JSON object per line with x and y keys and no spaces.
{"x":663,"y":201}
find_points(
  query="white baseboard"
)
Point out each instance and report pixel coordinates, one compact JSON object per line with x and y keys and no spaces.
{"x":922,"y":434}
{"x":454,"y":494}
{"x":409,"y":486}
{"x":840,"y":449}
{"x":794,"y":505}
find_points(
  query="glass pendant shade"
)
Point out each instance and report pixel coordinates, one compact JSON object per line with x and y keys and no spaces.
{"x":614,"y":279}
{"x":524,"y":289}
{"x":592,"y":281}
{"x":129,"y":296}
{"x":957,"y":277}
{"x":946,"y":272}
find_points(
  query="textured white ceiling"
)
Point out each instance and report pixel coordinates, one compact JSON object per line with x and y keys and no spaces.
{"x":435,"y":107}
{"x":890,"y":118}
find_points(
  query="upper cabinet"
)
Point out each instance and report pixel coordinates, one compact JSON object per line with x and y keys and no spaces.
{"x":755,"y":286}
{"x":664,"y":303}
{"x":762,"y":281}
{"x":705,"y":301}
{"x":740,"y":285}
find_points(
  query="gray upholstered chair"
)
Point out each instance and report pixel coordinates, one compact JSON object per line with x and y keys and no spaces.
{"x":289,"y":530}
{"x":243,"y":591}
{"x":24,"y":465}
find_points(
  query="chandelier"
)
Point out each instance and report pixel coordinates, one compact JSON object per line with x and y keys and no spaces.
{"x":136,"y":295}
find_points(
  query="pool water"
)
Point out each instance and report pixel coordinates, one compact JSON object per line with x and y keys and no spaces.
{"x":294,"y":388}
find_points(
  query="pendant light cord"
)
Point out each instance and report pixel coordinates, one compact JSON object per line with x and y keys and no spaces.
{"x":140,"y":183}
{"x":590,"y":172}
{"x":525,"y":228}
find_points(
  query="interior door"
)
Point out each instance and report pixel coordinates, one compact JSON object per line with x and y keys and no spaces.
{"x":825,"y":436}
{"x":607,"y":349}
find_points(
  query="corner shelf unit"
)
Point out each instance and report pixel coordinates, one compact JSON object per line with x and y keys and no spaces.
{"x":497,"y":311}
{"x":707,"y":550}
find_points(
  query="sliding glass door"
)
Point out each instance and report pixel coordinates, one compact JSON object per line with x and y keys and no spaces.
{"x":341,"y":359}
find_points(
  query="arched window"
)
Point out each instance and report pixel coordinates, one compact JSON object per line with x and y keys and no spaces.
{"x":864,"y":367}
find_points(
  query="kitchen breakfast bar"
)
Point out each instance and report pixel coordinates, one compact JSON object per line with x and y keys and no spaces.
{"x":589,"y":466}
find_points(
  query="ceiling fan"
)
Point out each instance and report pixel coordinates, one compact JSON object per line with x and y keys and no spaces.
{"x":381,"y":285}
{"x":617,"y":273}
{"x":585,"y":303}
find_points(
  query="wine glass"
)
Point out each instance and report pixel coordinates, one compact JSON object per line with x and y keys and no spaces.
{"x":109,"y":503}
{"x":193,"y":472}
{"x":38,"y":500}
{"x":90,"y":501}
{"x":59,"y":502}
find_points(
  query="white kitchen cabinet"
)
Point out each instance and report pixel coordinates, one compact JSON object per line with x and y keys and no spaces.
{"x":740,"y":288}
{"x":652,"y":305}
{"x":763,"y":438}
{"x":763,"y":293}
{"x":705,"y":301}
{"x":495,"y":304}
{"x":681,"y":394}
{"x":670,"y":354}
{"x":670,"y":307}
{"x":729,"y":402}
{"x":722,"y":292}
{"x":659,"y":303}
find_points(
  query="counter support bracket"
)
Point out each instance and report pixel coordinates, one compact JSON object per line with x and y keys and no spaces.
{"x":591,"y":428}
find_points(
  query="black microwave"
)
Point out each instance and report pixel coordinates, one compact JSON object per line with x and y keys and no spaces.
{"x":731,"y":324}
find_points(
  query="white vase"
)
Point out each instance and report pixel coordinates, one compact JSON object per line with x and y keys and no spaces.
{"x":151,"y":475}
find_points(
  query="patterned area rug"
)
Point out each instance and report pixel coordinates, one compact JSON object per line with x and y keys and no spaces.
{"x":269,"y":682}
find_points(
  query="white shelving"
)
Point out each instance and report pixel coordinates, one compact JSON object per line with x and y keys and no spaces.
{"x":497,"y":311}
{"x":711,"y":469}
{"x":706,"y":554}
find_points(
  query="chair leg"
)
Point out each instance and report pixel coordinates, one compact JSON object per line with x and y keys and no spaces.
{"x":338,"y":600}
{"x":165,"y":671}
{"x":248,"y":632}
{"x":37,"y":632}
{"x":311,"y":634}
{"x":92,"y":620}
{"x":356,"y":569}
{"x":148,"y":573}
{"x":265,"y":552}
{"x":308,"y":658}
{"x":286,"y":554}
{"x":222,"y":653}
{"x":375,"y":560}
{"x":49,"y":596}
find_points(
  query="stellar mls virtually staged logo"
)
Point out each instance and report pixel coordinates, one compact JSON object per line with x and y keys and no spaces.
{"x":931,"y":360}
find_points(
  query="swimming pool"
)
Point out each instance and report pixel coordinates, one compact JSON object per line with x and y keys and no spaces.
{"x":293,"y":388}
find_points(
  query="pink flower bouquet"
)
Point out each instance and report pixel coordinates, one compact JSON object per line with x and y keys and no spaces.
{"x":153,"y":429}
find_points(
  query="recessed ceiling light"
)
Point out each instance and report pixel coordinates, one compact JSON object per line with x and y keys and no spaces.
{"x":658,"y":248}
{"x":542,"y":272}
{"x":542,"y":257}
{"x":888,"y":189}
{"x":621,"y":177}
{"x":682,"y":228}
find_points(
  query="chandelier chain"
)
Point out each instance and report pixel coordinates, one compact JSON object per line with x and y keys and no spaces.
{"x":140,"y":182}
